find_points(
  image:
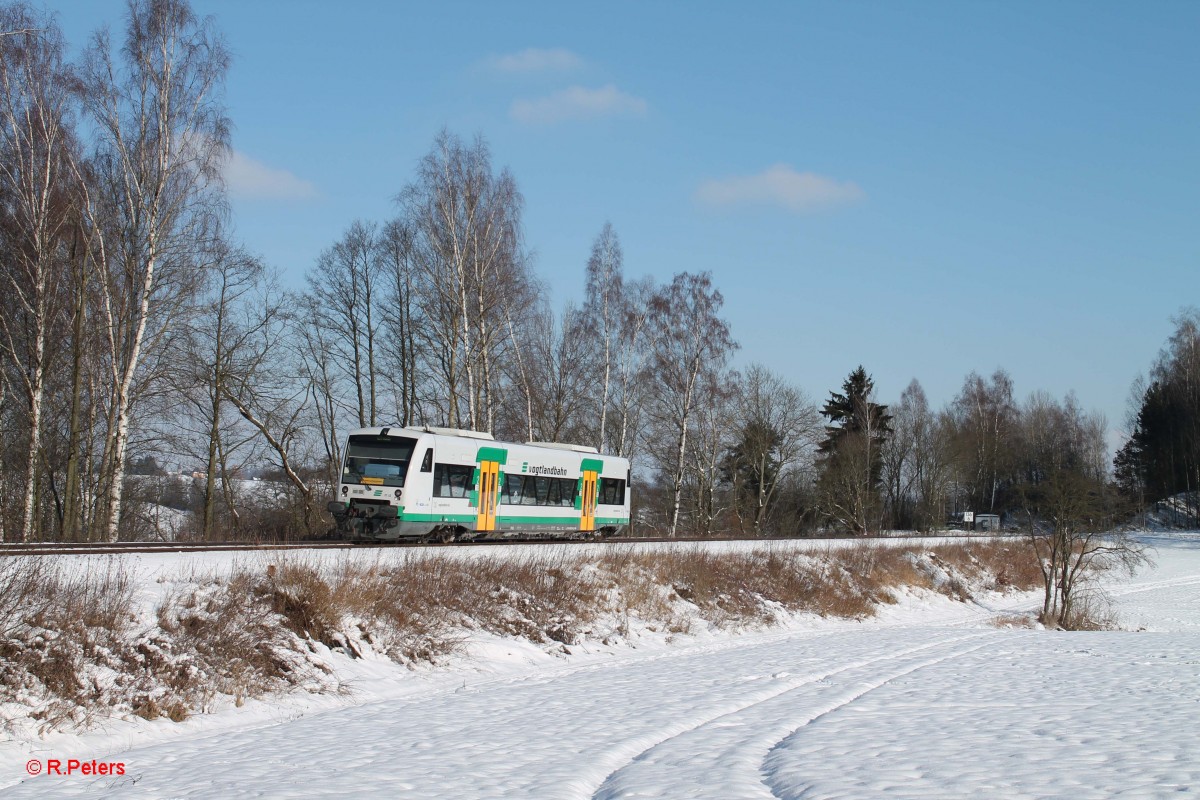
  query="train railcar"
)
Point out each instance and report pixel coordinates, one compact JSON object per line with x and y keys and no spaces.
{"x":445,"y":484}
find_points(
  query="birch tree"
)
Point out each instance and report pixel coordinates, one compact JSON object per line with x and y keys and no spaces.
{"x":468,"y":220}
{"x":691,"y":342}
{"x":985,"y":415}
{"x":635,"y":338}
{"x":162,"y":139}
{"x":603,"y":291}
{"x":37,"y":209}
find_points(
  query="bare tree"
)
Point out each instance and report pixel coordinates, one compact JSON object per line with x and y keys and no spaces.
{"x":560,"y":376}
{"x":37,"y":209}
{"x":634,"y":346}
{"x":691,"y":342}
{"x":712,"y":435}
{"x":240,"y":301}
{"x":1071,"y":510}
{"x":401,"y":315}
{"x":317,"y":357}
{"x":901,"y":472}
{"x":346,"y":297}
{"x":603,"y":301}
{"x":468,"y":221}
{"x":163,"y":137}
{"x":272,"y":396}
{"x":777,"y":429}
{"x":985,"y":416}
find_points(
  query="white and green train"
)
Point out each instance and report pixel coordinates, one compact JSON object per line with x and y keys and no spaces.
{"x":445,"y":484}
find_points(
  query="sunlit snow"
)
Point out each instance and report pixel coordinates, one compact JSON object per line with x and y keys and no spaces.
{"x":930,"y":699}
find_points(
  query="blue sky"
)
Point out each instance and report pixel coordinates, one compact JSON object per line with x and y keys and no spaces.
{"x":923,"y":188}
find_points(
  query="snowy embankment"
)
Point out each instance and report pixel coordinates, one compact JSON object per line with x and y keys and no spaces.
{"x":926,"y":698}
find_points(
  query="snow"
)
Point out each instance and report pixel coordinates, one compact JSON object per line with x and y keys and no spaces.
{"x":929,"y":699}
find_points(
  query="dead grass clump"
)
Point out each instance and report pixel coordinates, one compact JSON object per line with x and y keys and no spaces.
{"x":731,"y":590}
{"x":221,"y":637}
{"x":803,"y":583}
{"x":60,"y":630}
{"x":541,"y":598}
{"x":720,"y":585}
{"x":300,"y":593}
{"x":1091,"y":610}
{"x":1013,"y":562}
{"x":1013,"y":621}
{"x":994,"y":564}
{"x":637,"y":597}
{"x":877,"y":570}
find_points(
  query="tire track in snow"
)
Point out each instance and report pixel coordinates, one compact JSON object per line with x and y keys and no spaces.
{"x":640,"y":750}
{"x":771,"y":771}
{"x":1137,"y":588}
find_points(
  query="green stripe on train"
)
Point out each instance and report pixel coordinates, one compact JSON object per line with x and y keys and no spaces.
{"x":511,"y":520}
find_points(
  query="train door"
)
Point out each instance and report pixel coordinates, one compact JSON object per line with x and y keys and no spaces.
{"x":489,"y":490}
{"x":587,"y":520}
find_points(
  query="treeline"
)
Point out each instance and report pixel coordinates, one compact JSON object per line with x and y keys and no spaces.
{"x":137,"y":332}
{"x":111,"y":223}
{"x":137,"y":327}
{"x":1161,"y":459}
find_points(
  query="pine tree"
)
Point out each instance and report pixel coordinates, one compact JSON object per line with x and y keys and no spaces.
{"x":851,"y":456}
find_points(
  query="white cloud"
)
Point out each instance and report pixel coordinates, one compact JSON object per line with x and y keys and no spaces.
{"x":534,"y":59}
{"x":577,"y":103}
{"x":246,"y":177}
{"x":779,"y":185}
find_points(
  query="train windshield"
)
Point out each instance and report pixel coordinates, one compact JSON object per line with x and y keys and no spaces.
{"x":377,"y":460}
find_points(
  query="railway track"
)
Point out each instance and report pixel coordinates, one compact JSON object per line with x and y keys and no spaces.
{"x":122,"y":548}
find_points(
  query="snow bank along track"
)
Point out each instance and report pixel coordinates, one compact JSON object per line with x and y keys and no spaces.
{"x":117,"y":548}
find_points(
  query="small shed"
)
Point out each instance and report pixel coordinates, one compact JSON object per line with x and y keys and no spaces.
{"x":987,"y":522}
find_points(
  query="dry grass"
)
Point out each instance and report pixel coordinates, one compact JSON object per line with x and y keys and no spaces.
{"x":72,"y":646}
{"x":1013,"y":621}
{"x":54,"y":623}
{"x":1091,"y":610}
{"x":219,"y":635}
{"x":416,"y":609}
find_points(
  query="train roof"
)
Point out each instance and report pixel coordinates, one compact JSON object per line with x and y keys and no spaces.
{"x":470,"y":434}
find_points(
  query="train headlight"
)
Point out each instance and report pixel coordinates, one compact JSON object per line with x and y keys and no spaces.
{"x":398,"y":493}
{"x":345,"y":489}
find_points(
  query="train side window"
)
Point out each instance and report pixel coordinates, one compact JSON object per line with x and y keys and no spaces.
{"x":427,"y":464}
{"x":511,"y":493}
{"x":452,"y":480}
{"x":612,"y":492}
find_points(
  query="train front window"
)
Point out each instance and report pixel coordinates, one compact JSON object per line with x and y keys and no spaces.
{"x":377,"y":460}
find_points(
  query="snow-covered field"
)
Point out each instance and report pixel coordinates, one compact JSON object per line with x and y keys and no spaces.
{"x":929,"y":699}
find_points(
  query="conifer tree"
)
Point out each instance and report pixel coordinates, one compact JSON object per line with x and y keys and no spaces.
{"x":851,"y":456}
